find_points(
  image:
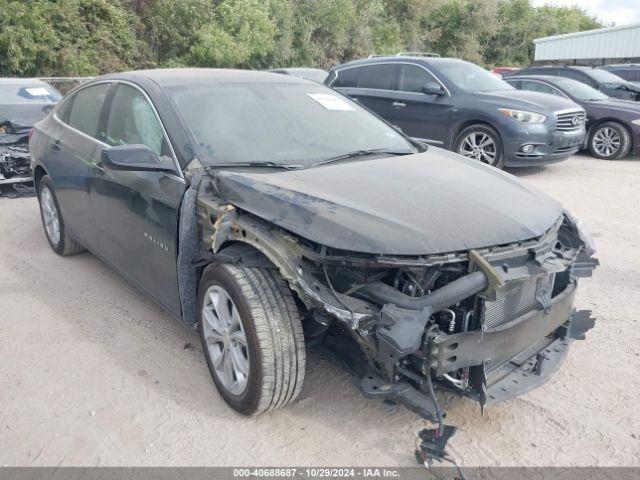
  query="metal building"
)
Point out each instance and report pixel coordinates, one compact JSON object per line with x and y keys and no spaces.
{"x":593,"y":47}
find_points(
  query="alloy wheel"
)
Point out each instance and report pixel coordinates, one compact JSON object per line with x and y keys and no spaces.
{"x":50,"y":215}
{"x":479,"y":146}
{"x":226,"y":340}
{"x":606,"y":142}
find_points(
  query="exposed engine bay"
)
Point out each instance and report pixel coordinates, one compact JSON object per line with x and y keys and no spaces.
{"x":488,"y":324}
{"x":15,"y":160}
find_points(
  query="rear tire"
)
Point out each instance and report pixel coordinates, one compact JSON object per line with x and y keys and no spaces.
{"x":61,"y":242}
{"x":482,"y":143}
{"x":273,"y":344}
{"x":610,"y":141}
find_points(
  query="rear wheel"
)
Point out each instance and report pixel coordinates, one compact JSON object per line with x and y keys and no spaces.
{"x":482,"y":143}
{"x":251,"y":336}
{"x":610,"y":141}
{"x":54,"y":228}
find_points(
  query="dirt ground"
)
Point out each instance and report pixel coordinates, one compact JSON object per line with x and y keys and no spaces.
{"x":93,"y":373}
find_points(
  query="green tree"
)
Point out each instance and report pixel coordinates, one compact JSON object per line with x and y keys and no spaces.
{"x":242,"y":34}
{"x":66,"y":37}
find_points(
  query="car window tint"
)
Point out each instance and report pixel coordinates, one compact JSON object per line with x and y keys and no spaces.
{"x":377,"y":76}
{"x":87,"y":107}
{"x":64,"y":109}
{"x":539,"y":87}
{"x":347,"y":78}
{"x":413,"y":78}
{"x":133,"y":121}
{"x":577,"y":75}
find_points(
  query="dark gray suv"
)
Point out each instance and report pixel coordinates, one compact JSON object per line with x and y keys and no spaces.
{"x":457,"y":105}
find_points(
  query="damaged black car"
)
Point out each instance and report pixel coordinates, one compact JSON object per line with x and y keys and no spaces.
{"x":23,"y":102}
{"x":272,"y":213}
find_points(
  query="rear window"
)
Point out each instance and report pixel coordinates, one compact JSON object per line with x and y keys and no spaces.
{"x":347,"y":78}
{"x":29,"y":93}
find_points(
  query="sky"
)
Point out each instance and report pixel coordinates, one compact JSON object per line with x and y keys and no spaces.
{"x":620,"y":12}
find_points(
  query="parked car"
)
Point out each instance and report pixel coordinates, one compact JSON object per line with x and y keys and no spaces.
{"x":23,"y":102}
{"x":613,"y":125}
{"x":314,"y":74}
{"x":462,"y":107}
{"x":258,"y":206}
{"x":504,"y":71}
{"x":603,"y":81}
{"x":627,"y":71}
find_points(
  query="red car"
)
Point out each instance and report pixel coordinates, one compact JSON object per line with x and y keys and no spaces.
{"x":505,"y":71}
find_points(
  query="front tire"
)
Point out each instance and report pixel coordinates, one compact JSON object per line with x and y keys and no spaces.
{"x":610,"y":141}
{"x":251,"y":337}
{"x":52,"y":221}
{"x":482,"y":143}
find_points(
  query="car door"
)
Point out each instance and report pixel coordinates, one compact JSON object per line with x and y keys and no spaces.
{"x":71,"y":155}
{"x":369,"y":85}
{"x":421,"y":115}
{"x":137,"y":211}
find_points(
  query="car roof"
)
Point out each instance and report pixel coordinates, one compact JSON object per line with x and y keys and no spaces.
{"x":577,"y":67}
{"x":620,"y":65}
{"x":21,"y":81}
{"x":435,"y":61}
{"x":548,"y":78}
{"x":296,"y":69}
{"x":167,"y":77}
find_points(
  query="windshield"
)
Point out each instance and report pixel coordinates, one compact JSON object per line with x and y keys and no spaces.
{"x":579,"y":90}
{"x":288,"y":123}
{"x":36,"y":92}
{"x":472,"y":78}
{"x":602,"y":76}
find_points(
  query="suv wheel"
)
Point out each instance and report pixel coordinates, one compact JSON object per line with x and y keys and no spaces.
{"x":60,"y":241}
{"x":251,"y":336}
{"x":610,"y":141}
{"x":481,"y":143}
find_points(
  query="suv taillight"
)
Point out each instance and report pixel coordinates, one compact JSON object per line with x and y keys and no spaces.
{"x":31,"y":133}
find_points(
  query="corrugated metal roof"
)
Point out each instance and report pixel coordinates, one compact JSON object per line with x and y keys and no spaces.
{"x":611,"y":42}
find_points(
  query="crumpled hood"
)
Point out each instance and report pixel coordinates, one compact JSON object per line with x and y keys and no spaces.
{"x":525,"y":99}
{"x":433,"y":202}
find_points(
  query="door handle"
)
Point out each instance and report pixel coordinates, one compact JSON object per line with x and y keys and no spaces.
{"x":98,"y":166}
{"x":399,"y":104}
{"x":55,"y":145}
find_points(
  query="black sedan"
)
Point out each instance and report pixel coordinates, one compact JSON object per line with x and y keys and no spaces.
{"x":265,"y":209}
{"x":613,"y":125}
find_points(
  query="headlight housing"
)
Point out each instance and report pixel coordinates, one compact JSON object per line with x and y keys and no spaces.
{"x":523,"y":116}
{"x":587,"y":239}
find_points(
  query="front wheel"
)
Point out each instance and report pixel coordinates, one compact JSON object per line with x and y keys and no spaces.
{"x":482,"y":143}
{"x":251,"y":336}
{"x":610,"y":141}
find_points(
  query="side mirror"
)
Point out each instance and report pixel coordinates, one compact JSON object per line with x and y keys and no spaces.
{"x":432,"y":89}
{"x":136,"y":158}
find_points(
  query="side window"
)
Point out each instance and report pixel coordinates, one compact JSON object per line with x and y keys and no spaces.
{"x":579,"y":76}
{"x":133,"y":121}
{"x":379,"y":77}
{"x":539,"y":87}
{"x":63,"y":109}
{"x":347,"y":78}
{"x":413,"y":78}
{"x":86,"y":108}
{"x":515,"y":84}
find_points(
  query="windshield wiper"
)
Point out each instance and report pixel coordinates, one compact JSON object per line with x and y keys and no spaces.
{"x":284,"y":166}
{"x":359,"y":153}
